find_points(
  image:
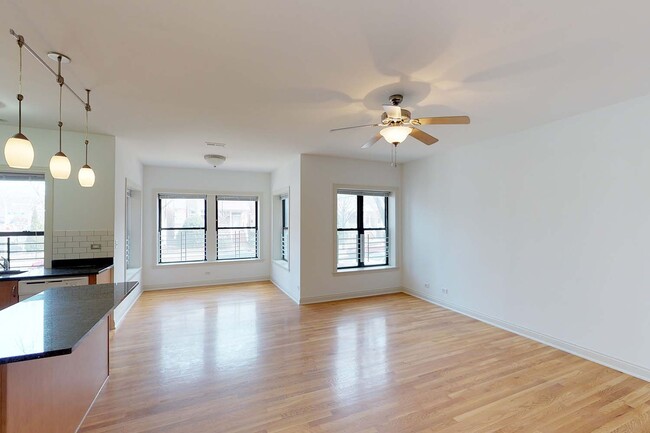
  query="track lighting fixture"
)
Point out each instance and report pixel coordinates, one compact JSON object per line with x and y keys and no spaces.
{"x":19,"y":152}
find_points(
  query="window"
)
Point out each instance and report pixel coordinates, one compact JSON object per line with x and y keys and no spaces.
{"x":181,"y":228}
{"x":237,"y":228}
{"x":284,"y":236}
{"x":22,"y":219}
{"x":362,"y":229}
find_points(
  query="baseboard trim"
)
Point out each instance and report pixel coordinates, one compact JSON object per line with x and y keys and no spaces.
{"x":349,"y":295}
{"x":565,"y":346}
{"x":223,"y":282}
{"x":297,"y":301}
{"x":128,"y":308}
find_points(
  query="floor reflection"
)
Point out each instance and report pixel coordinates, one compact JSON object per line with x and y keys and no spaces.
{"x":236,"y":334}
{"x":183,"y":342}
{"x":360,"y":362}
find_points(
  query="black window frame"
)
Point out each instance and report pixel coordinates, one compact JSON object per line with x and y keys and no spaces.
{"x":361,"y":229}
{"x":284,"y":203}
{"x":256,"y":227}
{"x":162,"y":196}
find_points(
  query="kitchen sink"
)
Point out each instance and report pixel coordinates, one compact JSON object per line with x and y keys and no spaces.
{"x":11,"y":272}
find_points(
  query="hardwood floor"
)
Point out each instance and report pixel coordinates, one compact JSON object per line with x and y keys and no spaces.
{"x":245,"y":358}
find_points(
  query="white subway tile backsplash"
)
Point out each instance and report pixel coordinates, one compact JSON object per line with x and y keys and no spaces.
{"x":76,"y":244}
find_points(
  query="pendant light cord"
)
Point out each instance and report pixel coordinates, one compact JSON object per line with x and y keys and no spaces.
{"x":60,"y":122}
{"x":86,"y":140}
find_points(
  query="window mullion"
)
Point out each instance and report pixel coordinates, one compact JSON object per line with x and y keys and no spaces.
{"x":360,"y":231}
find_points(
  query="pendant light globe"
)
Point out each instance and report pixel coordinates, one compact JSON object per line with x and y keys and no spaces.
{"x":60,"y":166}
{"x":86,"y":176}
{"x":19,"y":152}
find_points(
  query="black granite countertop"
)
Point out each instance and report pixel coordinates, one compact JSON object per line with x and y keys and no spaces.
{"x":71,"y":271}
{"x":53,"y":322}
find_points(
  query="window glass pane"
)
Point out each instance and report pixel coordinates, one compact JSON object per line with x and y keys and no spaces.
{"x":22,"y":209}
{"x":374,"y":212}
{"x":285,"y":213}
{"x":375,"y":248}
{"x":235,"y":213}
{"x":347,"y":249}
{"x":182,"y":245}
{"x":22,"y":205}
{"x":236,"y":244}
{"x":182,"y":213}
{"x":346,"y":211}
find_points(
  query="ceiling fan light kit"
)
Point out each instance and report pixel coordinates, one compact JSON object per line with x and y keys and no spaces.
{"x":395,"y":134}
{"x":19,"y":152}
{"x":398,"y":125}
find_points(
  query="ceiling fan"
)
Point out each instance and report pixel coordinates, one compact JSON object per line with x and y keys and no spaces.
{"x":398,"y":125}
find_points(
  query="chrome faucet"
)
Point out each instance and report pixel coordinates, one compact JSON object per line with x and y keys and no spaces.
{"x":6,"y":262}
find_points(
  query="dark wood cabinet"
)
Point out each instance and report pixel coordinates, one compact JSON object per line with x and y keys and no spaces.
{"x":8,"y":293}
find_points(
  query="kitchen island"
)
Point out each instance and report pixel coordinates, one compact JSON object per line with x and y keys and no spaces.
{"x":54,"y":356}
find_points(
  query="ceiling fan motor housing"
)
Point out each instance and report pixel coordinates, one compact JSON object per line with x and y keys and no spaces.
{"x":406,"y":117}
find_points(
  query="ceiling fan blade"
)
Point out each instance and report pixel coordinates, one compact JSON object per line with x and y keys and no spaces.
{"x":353,"y":127}
{"x":372,"y":141}
{"x":425,"y":138}
{"x":393,"y":111}
{"x":447,"y":120}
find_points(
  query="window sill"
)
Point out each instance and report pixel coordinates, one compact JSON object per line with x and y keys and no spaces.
{"x":340,"y":272}
{"x":209,"y":262}
{"x":282,"y":263}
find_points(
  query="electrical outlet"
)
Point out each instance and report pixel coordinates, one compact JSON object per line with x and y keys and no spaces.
{"x":445,"y":291}
{"x":427,"y":285}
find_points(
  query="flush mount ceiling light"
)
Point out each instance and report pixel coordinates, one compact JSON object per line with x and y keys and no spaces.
{"x":86,"y":174}
{"x":215,"y":160}
{"x":19,"y":151}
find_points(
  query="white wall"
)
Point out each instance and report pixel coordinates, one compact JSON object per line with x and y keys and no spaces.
{"x":287,"y":179}
{"x":126,"y":167}
{"x":164,"y":179}
{"x":546,"y":231}
{"x":319,"y":175}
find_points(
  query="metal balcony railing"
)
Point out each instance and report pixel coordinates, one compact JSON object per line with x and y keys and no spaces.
{"x":23,"y":249}
{"x":367,"y":250}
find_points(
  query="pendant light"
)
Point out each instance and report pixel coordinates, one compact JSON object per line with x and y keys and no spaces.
{"x":19,"y":151}
{"x":60,"y":164}
{"x":86,"y":173}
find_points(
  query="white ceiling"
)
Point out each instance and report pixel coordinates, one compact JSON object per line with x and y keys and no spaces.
{"x":270,"y":78}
